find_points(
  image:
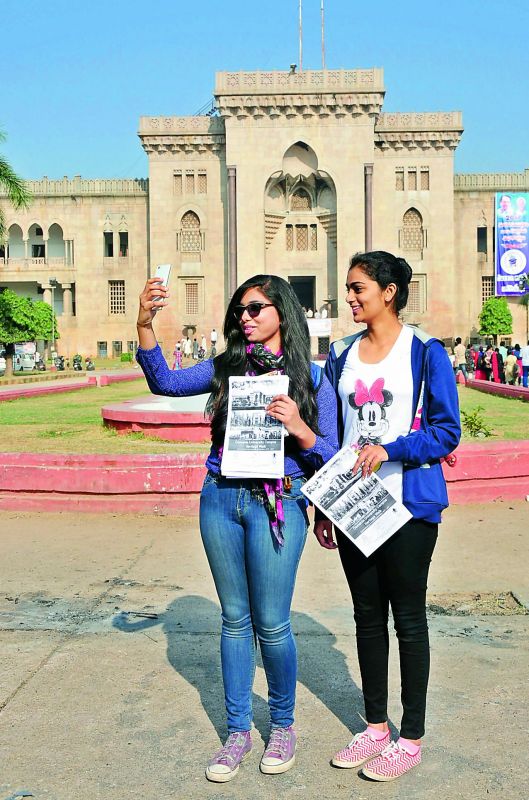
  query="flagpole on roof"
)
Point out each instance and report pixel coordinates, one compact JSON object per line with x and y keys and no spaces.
{"x":300,"y":35}
{"x":322,"y":36}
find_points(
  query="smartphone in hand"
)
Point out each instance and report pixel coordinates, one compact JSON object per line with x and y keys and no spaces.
{"x":163,"y":271}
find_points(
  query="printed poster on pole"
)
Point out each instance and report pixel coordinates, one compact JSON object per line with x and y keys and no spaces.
{"x":511,"y":215}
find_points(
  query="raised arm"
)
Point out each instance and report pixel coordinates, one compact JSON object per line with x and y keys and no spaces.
{"x":162,"y":380}
{"x":153,"y":297}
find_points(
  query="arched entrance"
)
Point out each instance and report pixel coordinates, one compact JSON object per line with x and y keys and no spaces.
{"x":300,"y":228}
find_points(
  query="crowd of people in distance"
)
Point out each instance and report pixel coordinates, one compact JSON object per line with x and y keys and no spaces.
{"x":193,"y":349}
{"x":322,"y":313}
{"x":502,"y":364}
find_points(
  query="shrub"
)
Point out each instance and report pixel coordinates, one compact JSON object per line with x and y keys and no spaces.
{"x":125,"y":357}
{"x":474,"y":423}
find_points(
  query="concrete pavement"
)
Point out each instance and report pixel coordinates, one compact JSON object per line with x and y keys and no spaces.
{"x":97,"y":703}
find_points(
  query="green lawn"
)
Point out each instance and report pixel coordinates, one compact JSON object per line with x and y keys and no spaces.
{"x":71,"y":422}
{"x":508,"y":418}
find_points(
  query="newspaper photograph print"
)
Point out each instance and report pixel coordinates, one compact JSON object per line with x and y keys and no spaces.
{"x":362,"y":508}
{"x":253,"y":444}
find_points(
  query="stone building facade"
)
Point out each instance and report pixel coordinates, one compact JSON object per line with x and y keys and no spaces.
{"x":293,"y":173}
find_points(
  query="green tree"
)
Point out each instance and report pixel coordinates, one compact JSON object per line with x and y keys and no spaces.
{"x":23,"y":320}
{"x":495,"y":318}
{"x":15,"y":187}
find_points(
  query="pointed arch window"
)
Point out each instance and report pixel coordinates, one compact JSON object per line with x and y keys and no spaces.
{"x":190,"y":238}
{"x":412,"y":233}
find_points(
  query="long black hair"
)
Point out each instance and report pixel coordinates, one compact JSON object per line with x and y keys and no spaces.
{"x":385,"y":268}
{"x":295,"y":343}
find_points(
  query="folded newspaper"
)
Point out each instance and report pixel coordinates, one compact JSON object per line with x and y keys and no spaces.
{"x":360,"y":507}
{"x":254,"y":441}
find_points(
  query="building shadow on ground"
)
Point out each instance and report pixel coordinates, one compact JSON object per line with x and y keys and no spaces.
{"x":322,"y":667}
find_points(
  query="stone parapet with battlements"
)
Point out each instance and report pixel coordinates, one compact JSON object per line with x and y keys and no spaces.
{"x":492,"y":181}
{"x":183,"y":136}
{"x":328,"y":81}
{"x":79,"y":186}
{"x":308,"y":96}
{"x":420,"y":121}
{"x":437,"y":130}
{"x":181,"y":125}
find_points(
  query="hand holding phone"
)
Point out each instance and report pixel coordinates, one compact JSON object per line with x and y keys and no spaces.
{"x":150,"y":300}
{"x":163,"y":271}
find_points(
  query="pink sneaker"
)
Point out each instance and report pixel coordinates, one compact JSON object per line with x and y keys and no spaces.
{"x":359,"y":750}
{"x":393,"y":762}
{"x":225,"y":763}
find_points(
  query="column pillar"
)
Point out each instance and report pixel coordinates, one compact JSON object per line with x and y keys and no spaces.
{"x":368,"y":206}
{"x":232,"y":229}
{"x":47,"y":293}
{"x":45,"y":250}
{"x":67,"y":306}
{"x":26,"y":249}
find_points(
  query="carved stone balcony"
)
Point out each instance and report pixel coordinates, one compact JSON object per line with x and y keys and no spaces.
{"x":25,"y":264}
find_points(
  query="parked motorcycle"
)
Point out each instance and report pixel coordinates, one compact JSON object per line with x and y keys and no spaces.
{"x":89,"y":364}
{"x":40,"y":365}
{"x":77,"y":363}
{"x":59,"y":363}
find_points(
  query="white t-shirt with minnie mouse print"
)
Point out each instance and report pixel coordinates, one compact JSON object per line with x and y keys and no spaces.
{"x":377,"y":402}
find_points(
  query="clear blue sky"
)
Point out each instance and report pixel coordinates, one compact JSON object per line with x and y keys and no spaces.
{"x":77,"y":74}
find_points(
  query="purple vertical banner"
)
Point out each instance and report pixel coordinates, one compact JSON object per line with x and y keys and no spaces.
{"x":512,"y":243}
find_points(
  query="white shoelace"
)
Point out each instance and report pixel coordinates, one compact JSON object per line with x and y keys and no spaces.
{"x":393,"y":751}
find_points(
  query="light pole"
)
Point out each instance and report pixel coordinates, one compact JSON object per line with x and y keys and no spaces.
{"x":53,"y":284}
{"x":523,"y":285}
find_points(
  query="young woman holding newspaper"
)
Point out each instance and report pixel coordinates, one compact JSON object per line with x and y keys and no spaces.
{"x":254,"y":531}
{"x":396,"y":390}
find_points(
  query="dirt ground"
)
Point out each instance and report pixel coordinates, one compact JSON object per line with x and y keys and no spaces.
{"x":110,"y":680}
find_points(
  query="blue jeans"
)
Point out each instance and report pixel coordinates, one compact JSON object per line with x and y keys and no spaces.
{"x":254,"y":578}
{"x":525,"y":375}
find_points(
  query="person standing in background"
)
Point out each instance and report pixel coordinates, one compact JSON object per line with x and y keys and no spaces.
{"x":460,"y":359}
{"x":524,"y":354}
{"x":213,"y":339}
{"x":470,"y":363}
{"x":177,"y":353}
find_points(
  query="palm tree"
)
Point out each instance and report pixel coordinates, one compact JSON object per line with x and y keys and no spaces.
{"x":15,"y":188}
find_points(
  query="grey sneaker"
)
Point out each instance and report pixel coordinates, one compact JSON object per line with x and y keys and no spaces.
{"x":225,"y":764}
{"x":279,"y":755}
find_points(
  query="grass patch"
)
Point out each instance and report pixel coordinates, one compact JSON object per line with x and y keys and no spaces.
{"x":55,"y":434}
{"x":72,"y":423}
{"x":508,"y":418}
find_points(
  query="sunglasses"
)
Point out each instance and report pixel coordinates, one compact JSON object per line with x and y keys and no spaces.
{"x":252,"y":309}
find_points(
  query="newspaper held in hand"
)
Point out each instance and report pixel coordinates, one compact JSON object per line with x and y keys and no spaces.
{"x":360,"y":507}
{"x":254,"y":441}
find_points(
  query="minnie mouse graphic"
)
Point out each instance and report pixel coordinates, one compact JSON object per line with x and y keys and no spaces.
{"x":371,"y":405}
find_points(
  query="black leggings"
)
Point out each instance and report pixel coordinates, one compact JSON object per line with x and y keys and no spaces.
{"x":395,"y":574}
